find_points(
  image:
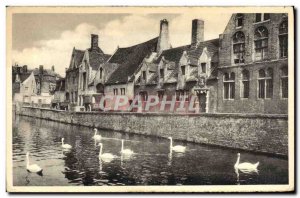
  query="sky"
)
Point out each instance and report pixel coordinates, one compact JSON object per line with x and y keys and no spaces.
{"x":48,"y":39}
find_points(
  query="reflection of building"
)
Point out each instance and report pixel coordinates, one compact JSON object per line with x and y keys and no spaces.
{"x":44,"y":85}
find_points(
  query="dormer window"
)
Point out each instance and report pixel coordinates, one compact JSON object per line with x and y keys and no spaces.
{"x":144,"y":75}
{"x":238,"y":47}
{"x":203,"y":68}
{"x":239,"y":20}
{"x":259,"y":17}
{"x":162,"y":73}
{"x":183,"y":70}
{"x":101,"y":71}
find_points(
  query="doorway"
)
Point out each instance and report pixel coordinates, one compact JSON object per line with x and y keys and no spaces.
{"x":202,"y":102}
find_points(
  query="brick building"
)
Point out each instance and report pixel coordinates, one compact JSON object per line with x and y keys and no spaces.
{"x":81,"y":73}
{"x":253,"y":65}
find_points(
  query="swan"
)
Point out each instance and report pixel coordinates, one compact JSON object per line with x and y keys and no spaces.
{"x":106,"y":157}
{"x":178,"y":148}
{"x":33,"y":168}
{"x":96,"y":136}
{"x":125,"y":151}
{"x":66,"y":146}
{"x":245,"y":167}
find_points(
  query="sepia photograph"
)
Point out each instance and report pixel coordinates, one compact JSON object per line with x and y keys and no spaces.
{"x":150,"y":99}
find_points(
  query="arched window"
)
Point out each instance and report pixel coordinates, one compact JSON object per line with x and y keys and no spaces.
{"x":283,"y":39}
{"x":265,"y":83}
{"x":101,"y":72}
{"x":239,"y":20}
{"x":261,"y":43}
{"x":238,"y":41}
{"x":229,"y":85}
{"x":284,"y":82}
{"x":245,"y":88}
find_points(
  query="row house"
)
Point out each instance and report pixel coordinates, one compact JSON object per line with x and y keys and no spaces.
{"x":182,"y":72}
{"x":44,"y":85}
{"x":81,"y":74}
{"x":245,"y":70}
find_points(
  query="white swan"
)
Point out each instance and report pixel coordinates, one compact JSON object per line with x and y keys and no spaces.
{"x":106,"y":157}
{"x":33,"y":168}
{"x":66,"y":146}
{"x":245,"y":167}
{"x":125,"y":151}
{"x":96,"y":136}
{"x":178,"y":148}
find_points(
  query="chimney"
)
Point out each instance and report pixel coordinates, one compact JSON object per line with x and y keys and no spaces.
{"x":25,"y":69}
{"x":163,"y":40}
{"x":41,"y":69}
{"x":52,"y":68}
{"x":94,"y":42}
{"x":197,"y":32}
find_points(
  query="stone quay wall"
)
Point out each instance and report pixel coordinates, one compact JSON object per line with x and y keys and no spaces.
{"x":253,"y":132}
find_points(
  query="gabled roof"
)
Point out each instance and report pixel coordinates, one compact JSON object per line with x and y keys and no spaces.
{"x":173,"y":54}
{"x":129,"y":60}
{"x":77,"y":56}
{"x":96,"y":57}
{"x":212,"y":48}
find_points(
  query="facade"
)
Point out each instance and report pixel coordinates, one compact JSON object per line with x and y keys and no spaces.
{"x":253,"y":66}
{"x":59,"y":99}
{"x":81,"y":74}
{"x":40,"y":91}
{"x":245,"y":70}
{"x":181,"y":73}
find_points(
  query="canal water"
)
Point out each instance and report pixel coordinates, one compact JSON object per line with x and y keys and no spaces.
{"x":152,"y":163}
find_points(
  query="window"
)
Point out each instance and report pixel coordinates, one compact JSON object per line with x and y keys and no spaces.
{"x":283,"y":39}
{"x":203,"y":67}
{"x":144,"y":96}
{"x":161,"y":72}
{"x":245,"y":84}
{"x":229,"y":85}
{"x":180,"y":95}
{"x":183,"y":70}
{"x":122,"y":91}
{"x":284,"y":82}
{"x":238,"y":47}
{"x":101,"y":71}
{"x":261,"y":43}
{"x":115,"y":92}
{"x":160,"y":95}
{"x":259,"y":17}
{"x":265,"y":83}
{"x":76,"y":96}
{"x":144,"y":75}
{"x":239,"y":20}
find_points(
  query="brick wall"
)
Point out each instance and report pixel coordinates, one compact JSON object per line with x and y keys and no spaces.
{"x":260,"y":133}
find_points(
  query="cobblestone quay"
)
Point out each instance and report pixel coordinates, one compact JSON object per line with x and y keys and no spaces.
{"x":253,"y":132}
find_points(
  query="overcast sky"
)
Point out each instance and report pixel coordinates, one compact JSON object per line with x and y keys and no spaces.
{"x":48,"y":39}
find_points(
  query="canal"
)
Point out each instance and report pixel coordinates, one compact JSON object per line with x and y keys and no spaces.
{"x":151,"y":164}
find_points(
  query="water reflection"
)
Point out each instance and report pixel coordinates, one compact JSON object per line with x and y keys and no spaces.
{"x":153,"y":162}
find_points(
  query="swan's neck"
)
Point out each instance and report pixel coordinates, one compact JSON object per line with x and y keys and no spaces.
{"x":237,"y":161}
{"x":171,"y":143}
{"x":122,"y":148}
{"x":100,"y":153}
{"x":62,"y":142}
{"x":27,"y":160}
{"x":95,"y":133}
